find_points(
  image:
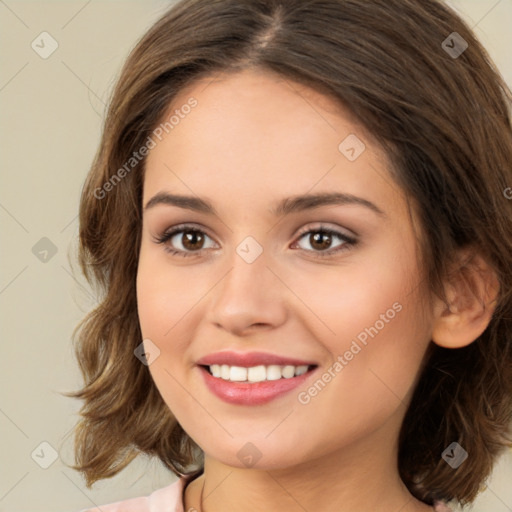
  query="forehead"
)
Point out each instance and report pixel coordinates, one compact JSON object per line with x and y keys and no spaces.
{"x":256,"y":133}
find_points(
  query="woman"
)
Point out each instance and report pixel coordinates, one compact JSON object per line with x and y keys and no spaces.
{"x":298,"y":215}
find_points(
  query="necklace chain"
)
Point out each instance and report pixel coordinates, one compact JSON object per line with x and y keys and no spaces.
{"x":192,"y":509}
{"x":201,"y":497}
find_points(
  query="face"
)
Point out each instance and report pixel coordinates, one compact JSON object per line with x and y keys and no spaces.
{"x":268,"y":283}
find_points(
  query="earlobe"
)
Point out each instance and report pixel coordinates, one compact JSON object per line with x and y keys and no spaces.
{"x":471,"y":295}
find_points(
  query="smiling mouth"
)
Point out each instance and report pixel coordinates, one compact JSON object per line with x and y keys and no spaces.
{"x":259,"y":373}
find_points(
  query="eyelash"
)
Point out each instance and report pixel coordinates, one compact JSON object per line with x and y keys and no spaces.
{"x":348,"y":244}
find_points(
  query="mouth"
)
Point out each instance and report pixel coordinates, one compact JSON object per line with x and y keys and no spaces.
{"x":252,"y":379}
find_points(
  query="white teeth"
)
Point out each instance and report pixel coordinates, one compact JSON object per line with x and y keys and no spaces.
{"x":215,"y":369}
{"x":224,"y":372}
{"x":256,"y":373}
{"x":273,"y":372}
{"x":288,"y":372}
{"x":237,"y":373}
{"x":300,"y":370}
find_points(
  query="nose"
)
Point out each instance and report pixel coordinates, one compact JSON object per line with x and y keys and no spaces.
{"x":249,"y":296}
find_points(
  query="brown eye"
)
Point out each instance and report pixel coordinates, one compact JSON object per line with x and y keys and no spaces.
{"x":184,"y":240}
{"x":321,"y":242}
{"x":192,"y":240}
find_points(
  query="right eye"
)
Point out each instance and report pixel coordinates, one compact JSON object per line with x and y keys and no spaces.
{"x":183,"y":240}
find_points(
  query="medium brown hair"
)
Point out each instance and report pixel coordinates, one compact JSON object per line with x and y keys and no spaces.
{"x":444,"y":121}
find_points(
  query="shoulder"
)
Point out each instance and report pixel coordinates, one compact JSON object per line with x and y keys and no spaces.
{"x":440,"y":506}
{"x":166,"y":499}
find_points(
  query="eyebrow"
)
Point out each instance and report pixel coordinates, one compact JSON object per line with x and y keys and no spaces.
{"x":284,"y":207}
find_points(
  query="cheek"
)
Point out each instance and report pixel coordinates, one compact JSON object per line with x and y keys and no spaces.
{"x":169,"y":308}
{"x":372,"y":318}
{"x":376,"y":355}
{"x":164,"y":294}
{"x":164,"y":302}
{"x":367,"y":383}
{"x":357,"y":297}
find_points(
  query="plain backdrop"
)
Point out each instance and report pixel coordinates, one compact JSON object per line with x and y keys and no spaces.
{"x":52,"y":111}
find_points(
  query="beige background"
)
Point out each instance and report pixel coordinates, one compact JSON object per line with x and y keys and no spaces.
{"x":52,"y":114}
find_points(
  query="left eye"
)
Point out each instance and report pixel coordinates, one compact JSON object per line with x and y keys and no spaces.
{"x":322,"y":239}
{"x":187,"y":240}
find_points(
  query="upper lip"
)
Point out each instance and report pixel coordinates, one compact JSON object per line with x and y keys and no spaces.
{"x":249,"y":359}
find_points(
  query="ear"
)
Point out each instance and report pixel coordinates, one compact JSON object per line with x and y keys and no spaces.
{"x":471,"y":293}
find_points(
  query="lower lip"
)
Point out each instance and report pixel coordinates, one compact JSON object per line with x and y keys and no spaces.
{"x":257,"y":393}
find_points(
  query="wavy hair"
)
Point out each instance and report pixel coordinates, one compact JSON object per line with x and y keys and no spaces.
{"x":445,"y":122}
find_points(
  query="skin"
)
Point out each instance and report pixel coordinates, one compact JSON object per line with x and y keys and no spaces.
{"x":253,"y":139}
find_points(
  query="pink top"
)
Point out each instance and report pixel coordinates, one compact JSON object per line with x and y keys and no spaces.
{"x":170,"y":499}
{"x":166,"y":499}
